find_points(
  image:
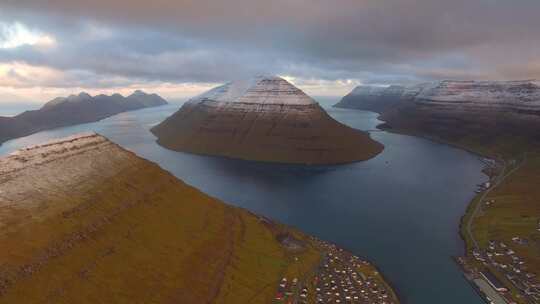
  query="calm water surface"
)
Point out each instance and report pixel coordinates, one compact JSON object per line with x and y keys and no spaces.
{"x":401,"y":209}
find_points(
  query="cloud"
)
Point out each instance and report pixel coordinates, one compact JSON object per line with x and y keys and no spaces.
{"x":23,"y":83}
{"x":324,"y":43}
{"x":17,"y":34}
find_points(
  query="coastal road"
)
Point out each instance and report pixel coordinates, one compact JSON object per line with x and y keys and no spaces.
{"x":498,"y":180}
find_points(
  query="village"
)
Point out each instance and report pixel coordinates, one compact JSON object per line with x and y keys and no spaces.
{"x":340,"y":277}
{"x":500,"y":259}
{"x":498,"y":270}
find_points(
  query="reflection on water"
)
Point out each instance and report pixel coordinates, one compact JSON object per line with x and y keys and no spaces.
{"x":400,"y":209}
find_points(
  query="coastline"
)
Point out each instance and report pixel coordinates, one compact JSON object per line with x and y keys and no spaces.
{"x":457,"y":146}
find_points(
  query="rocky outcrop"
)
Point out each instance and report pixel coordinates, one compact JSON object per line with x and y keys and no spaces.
{"x":83,"y":221}
{"x":72,"y":110}
{"x":263,"y":119}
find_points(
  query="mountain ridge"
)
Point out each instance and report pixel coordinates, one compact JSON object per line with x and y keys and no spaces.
{"x":452,"y":110}
{"x":510,"y":95}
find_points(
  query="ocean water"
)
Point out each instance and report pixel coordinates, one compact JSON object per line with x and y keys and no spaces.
{"x":401,"y":209}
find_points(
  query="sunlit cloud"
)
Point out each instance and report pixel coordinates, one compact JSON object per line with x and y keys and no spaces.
{"x":20,"y":81}
{"x":16,"y":34}
{"x":40,"y":94}
{"x":21,"y":75}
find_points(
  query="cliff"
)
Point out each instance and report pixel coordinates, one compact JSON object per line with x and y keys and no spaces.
{"x":72,"y":110}
{"x":263,"y":119}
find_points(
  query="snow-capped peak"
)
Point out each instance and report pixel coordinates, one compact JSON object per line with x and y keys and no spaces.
{"x":257,"y":90}
{"x":275,"y":90}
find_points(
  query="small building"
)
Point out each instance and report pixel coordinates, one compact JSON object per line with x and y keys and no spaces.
{"x":493,"y":281}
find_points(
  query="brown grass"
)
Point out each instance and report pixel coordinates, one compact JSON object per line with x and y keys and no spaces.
{"x":142,"y":236}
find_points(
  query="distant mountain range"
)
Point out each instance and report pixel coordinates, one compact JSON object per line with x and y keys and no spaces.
{"x":266,"y":119}
{"x":72,"y":110}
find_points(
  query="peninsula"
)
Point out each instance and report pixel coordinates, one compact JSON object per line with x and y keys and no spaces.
{"x":85,"y":221}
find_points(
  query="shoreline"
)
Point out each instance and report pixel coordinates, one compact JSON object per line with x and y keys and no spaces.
{"x":457,"y":146}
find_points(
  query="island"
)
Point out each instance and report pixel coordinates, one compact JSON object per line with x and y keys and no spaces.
{"x":73,"y":110}
{"x":500,"y":121}
{"x":266,"y":119}
{"x":84,"y":221}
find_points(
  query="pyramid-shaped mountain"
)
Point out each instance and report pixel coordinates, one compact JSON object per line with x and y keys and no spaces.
{"x":263,"y":119}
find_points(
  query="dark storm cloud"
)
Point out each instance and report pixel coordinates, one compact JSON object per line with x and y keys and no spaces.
{"x":371,"y":40}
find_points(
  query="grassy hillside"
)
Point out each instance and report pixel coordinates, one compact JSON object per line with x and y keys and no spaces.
{"x":514,"y":212}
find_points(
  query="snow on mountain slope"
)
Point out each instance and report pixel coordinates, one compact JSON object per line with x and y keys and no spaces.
{"x":275,"y":90}
{"x":257,"y":90}
{"x":503,"y":94}
{"x":227,"y":92}
{"x":457,"y":110}
{"x":495,"y":95}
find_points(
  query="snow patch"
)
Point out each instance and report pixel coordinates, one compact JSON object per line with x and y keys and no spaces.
{"x":51,"y":150}
{"x":257,"y":90}
{"x":518,"y":94}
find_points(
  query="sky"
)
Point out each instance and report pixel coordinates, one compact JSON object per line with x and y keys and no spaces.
{"x":179,"y":48}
